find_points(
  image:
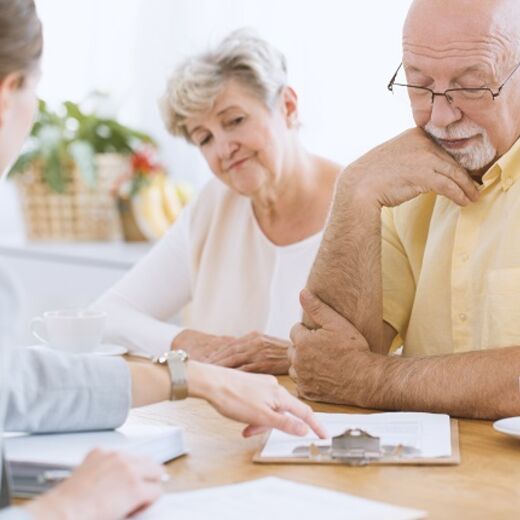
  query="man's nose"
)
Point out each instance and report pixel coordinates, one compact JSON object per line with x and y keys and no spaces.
{"x":443,"y":113}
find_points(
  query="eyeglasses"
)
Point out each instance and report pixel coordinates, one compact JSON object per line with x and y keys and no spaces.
{"x":465,"y":99}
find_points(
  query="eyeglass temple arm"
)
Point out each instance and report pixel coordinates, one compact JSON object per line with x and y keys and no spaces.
{"x":506,"y":80}
{"x":392,"y":80}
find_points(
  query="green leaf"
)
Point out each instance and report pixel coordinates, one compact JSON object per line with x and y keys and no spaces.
{"x":138,"y":183}
{"x":68,"y":133}
{"x":53,"y":171}
{"x":24,"y":161}
{"x":82,"y":154}
{"x":74,"y":111}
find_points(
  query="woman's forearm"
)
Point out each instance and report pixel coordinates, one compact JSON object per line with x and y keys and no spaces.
{"x":151,"y":383}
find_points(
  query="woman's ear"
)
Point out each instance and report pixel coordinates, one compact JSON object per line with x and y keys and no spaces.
{"x":290,"y":106}
{"x":9,"y":86}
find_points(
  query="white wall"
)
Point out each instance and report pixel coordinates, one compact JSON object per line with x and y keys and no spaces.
{"x":341,"y":55}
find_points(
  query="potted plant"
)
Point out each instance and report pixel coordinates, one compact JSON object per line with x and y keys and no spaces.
{"x":67,"y":171}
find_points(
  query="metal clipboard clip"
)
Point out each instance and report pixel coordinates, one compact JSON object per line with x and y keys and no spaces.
{"x":355,"y":447}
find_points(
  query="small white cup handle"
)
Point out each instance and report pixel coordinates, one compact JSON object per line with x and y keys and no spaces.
{"x":39,"y":323}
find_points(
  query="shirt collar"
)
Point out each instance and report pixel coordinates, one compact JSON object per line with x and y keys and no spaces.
{"x":507,"y":168}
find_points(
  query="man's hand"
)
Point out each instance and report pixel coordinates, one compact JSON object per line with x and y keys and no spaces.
{"x":255,"y":352}
{"x":108,"y":485}
{"x":255,"y":399}
{"x":331,"y":358}
{"x":407,"y":166}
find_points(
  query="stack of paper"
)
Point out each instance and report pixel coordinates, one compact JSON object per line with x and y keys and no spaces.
{"x":31,"y":456}
{"x":275,"y":499}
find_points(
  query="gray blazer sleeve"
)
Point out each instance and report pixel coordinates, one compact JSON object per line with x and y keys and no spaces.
{"x":15,"y":513}
{"x":50,"y":391}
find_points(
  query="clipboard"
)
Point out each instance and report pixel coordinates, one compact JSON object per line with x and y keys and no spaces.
{"x":358,"y":448}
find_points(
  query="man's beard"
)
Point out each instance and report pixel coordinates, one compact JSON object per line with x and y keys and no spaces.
{"x":475,"y":156}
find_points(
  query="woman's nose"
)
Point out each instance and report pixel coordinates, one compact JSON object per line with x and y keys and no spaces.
{"x":226,"y":148}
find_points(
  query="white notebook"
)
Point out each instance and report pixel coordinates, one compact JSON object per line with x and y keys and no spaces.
{"x":274,"y":499}
{"x":29,"y":456}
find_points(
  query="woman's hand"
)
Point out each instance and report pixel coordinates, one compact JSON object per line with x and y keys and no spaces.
{"x":255,"y":352}
{"x":200,"y":346}
{"x":255,"y":399}
{"x":107,"y":485}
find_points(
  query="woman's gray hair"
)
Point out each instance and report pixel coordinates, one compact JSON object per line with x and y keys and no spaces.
{"x":195,"y":84}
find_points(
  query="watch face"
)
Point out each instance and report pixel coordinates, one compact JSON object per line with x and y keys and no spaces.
{"x":180,"y":355}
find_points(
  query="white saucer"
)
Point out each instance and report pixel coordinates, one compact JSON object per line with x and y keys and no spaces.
{"x":509,"y":426}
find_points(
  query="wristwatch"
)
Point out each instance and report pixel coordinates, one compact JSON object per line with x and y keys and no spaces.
{"x":176,"y":361}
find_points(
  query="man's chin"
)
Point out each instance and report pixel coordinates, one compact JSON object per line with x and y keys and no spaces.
{"x":475,"y":168}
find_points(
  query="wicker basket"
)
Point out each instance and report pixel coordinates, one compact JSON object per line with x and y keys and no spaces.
{"x":81,"y":212}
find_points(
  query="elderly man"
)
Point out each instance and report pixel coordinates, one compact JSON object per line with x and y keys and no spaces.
{"x":423,"y":241}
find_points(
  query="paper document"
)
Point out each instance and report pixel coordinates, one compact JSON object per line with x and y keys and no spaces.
{"x":30,"y":456}
{"x":275,"y":499}
{"x":427,"y":432}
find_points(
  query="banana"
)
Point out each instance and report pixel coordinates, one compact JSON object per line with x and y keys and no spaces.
{"x":149,"y":211}
{"x":158,"y":204}
{"x":171,"y":200}
{"x":184,"y":192}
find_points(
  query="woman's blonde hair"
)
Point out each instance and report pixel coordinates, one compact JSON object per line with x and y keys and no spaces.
{"x":195,"y":84}
{"x":21,"y":39}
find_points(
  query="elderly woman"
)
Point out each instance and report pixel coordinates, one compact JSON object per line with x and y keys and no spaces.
{"x":242,"y":251}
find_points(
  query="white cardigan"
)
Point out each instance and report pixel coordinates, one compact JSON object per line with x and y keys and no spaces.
{"x":217,"y":259}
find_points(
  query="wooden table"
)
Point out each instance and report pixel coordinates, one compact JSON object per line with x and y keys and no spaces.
{"x":485,"y":485}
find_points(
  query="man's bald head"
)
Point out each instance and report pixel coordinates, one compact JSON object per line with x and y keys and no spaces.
{"x":439,"y":25}
{"x":466,"y":44}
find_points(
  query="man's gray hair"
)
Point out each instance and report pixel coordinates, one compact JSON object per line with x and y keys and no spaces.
{"x":195,"y":84}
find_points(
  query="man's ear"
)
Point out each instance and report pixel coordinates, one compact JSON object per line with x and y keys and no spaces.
{"x":9,"y":86}
{"x":290,"y":106}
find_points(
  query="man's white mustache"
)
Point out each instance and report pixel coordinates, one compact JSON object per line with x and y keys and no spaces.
{"x":463,"y":131}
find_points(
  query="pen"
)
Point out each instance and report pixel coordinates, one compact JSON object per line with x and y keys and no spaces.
{"x":59,"y":475}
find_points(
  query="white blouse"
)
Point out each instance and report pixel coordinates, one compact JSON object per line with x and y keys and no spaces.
{"x":217,"y":259}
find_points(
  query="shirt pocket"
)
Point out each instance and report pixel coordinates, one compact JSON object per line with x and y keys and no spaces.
{"x":501,"y":309}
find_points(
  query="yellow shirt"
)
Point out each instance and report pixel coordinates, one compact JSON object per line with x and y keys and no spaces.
{"x":451,"y":275}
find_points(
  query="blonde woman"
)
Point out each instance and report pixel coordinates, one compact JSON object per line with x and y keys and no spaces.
{"x":240,"y":254}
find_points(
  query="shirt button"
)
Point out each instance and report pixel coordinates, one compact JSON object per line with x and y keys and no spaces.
{"x":465,"y":257}
{"x":463,"y":316}
{"x":509,"y":182}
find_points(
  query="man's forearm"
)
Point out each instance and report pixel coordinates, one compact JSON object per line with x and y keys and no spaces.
{"x":483,"y":385}
{"x":347,"y":271}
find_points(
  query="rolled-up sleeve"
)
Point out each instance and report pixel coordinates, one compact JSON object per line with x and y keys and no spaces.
{"x":50,"y":391}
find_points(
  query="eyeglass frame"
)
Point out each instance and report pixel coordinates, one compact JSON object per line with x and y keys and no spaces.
{"x":445,"y":94}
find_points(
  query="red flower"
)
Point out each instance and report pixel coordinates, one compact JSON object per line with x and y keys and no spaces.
{"x":143,"y":162}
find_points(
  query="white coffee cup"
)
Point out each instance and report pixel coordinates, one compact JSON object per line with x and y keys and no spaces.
{"x":72,"y":330}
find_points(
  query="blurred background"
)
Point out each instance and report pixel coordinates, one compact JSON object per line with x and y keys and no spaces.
{"x":340,"y":54}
